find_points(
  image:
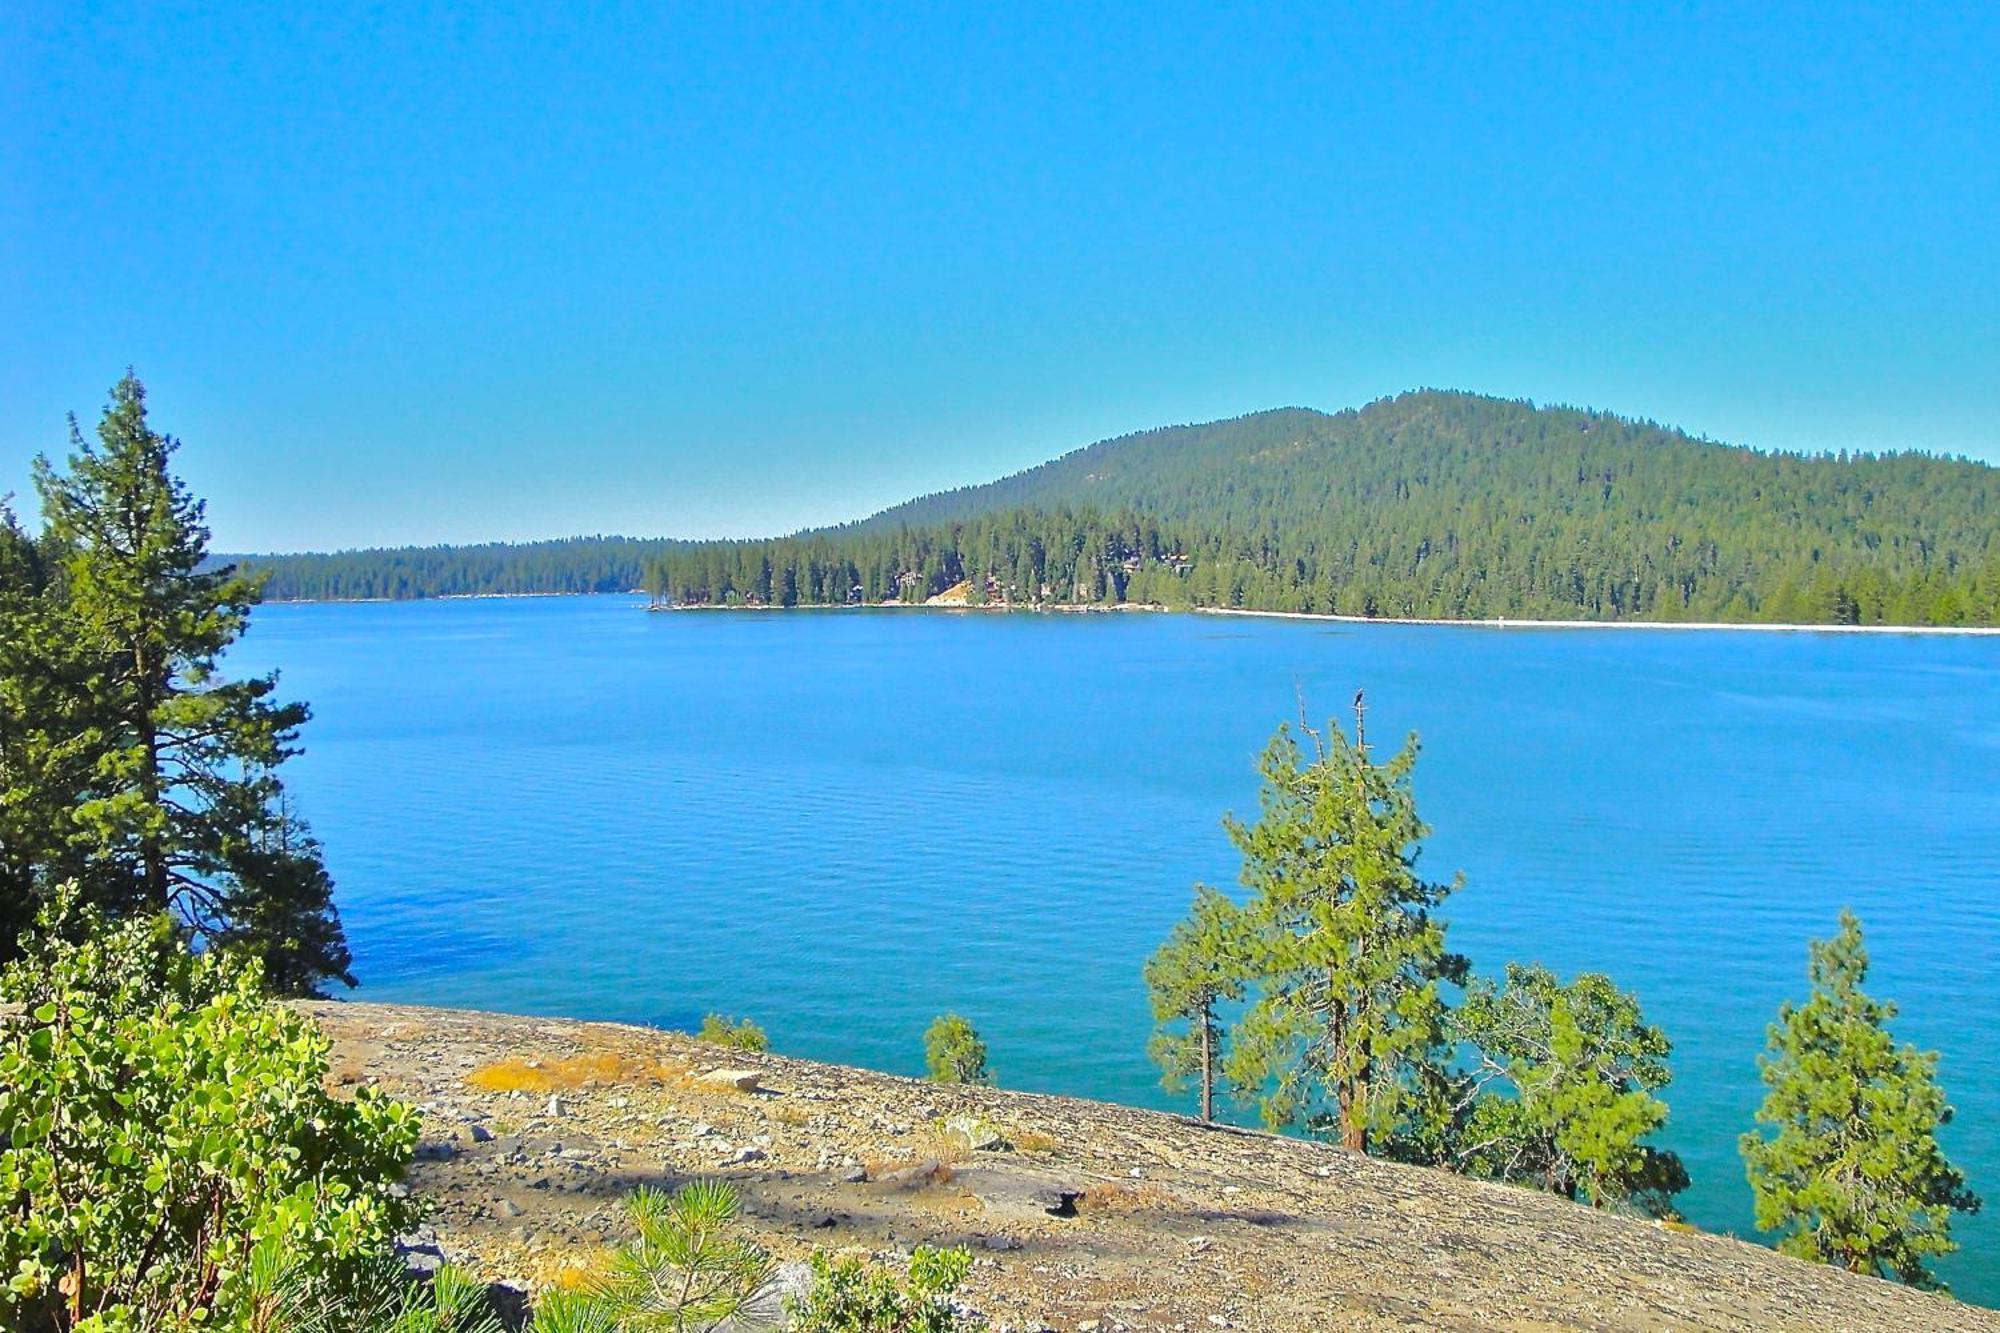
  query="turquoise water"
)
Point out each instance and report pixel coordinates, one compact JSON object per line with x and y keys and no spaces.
{"x":842,"y":823}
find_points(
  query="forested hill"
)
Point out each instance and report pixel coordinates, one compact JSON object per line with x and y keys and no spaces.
{"x":407,"y":573}
{"x":1429,"y":504}
{"x":1156,"y":471}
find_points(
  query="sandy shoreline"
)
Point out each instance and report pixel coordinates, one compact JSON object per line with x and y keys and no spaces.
{"x":1125,"y":607}
{"x":1097,"y":608}
{"x":1606,"y":624}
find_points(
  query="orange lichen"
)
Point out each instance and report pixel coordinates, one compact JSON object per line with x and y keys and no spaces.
{"x":1034,"y":1141}
{"x":575,"y":1071}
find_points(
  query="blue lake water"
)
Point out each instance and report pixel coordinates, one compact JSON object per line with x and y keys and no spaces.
{"x":843,"y":823}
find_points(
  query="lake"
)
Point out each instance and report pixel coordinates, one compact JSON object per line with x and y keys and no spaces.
{"x":842,"y":823}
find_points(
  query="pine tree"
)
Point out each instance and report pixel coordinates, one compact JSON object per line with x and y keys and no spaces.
{"x":1852,"y":1174}
{"x":1348,"y":1033}
{"x":186,"y":814}
{"x":1201,"y":965}
{"x":688,"y":1270}
{"x":1563,"y":1082}
{"x":954,"y":1053}
{"x":45,"y":769}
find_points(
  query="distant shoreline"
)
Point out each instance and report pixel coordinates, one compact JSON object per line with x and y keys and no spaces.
{"x":1509,"y":623}
{"x":984,"y":608}
{"x":1122,"y":608}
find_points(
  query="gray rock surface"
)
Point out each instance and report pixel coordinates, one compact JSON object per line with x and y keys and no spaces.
{"x":1096,"y":1216}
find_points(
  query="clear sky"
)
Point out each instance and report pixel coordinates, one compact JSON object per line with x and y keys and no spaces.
{"x":408,"y":272}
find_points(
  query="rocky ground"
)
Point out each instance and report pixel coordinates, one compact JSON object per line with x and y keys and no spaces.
{"x":1082,"y":1216}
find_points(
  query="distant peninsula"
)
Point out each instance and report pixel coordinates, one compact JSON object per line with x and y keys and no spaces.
{"x":1431,"y":505}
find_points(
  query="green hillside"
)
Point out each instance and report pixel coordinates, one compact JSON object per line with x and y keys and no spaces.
{"x":1430,"y":504}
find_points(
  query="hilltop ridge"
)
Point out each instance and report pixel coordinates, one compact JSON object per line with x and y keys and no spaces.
{"x":1427,"y":505}
{"x":1083,"y":1215}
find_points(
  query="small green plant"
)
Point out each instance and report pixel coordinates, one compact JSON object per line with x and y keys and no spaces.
{"x":738,"y":1034}
{"x":163,"y":1124}
{"x":378,"y":1297}
{"x":687,"y":1271}
{"x":575,"y":1312}
{"x":953,"y":1052}
{"x":848,"y":1296}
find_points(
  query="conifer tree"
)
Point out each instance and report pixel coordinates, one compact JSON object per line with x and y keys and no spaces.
{"x":1562,"y":1090}
{"x":185,"y":813}
{"x":1347,"y":1034}
{"x":954,"y":1052}
{"x":1852,"y":1173}
{"x":45,"y":768}
{"x":1201,"y":965}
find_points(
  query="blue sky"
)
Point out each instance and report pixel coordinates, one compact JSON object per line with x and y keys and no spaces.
{"x":425,"y":273}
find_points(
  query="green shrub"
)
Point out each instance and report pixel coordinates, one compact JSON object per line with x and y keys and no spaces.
{"x":847,"y":1296}
{"x":953,"y":1052}
{"x":164,"y":1124}
{"x":738,"y":1034}
{"x":688,"y":1271}
{"x":375,"y":1297}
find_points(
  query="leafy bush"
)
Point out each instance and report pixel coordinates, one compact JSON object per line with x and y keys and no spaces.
{"x":849,"y":1297}
{"x":687,"y":1271}
{"x":953,"y":1052}
{"x":738,"y":1034}
{"x":164,"y":1125}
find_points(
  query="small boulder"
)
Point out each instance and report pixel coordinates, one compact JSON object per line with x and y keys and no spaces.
{"x":741,"y":1080}
{"x":974,"y":1132}
{"x":420,"y":1253}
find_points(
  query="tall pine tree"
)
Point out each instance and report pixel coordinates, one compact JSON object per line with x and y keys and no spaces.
{"x":1852,"y":1173}
{"x":46,"y":762}
{"x":184,"y":812}
{"x":1347,"y":1034}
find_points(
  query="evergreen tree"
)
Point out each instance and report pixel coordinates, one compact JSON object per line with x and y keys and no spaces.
{"x":185,"y":812}
{"x":954,"y":1053}
{"x":1348,"y":1033}
{"x":45,"y":765}
{"x":1852,"y":1173}
{"x":687,"y":1271}
{"x":1563,"y":1086}
{"x":1201,"y":965}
